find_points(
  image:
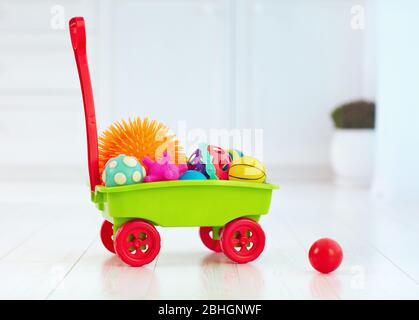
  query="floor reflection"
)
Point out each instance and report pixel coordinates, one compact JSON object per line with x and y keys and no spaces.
{"x":320,"y":286}
{"x":123,"y":282}
{"x":223,"y":279}
{"x":251,"y":281}
{"x":218,"y":278}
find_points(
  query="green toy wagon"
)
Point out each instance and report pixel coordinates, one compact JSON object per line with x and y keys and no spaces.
{"x":226,"y":212}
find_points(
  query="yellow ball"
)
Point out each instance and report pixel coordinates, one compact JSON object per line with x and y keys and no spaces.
{"x":247,"y":169}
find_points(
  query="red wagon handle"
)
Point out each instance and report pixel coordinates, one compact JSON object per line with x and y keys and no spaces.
{"x":78,"y":41}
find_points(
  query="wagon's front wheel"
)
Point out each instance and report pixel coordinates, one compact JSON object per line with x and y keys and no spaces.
{"x":242,"y":240}
{"x":137,"y":243}
{"x":205,"y":233}
{"x":106,"y":235}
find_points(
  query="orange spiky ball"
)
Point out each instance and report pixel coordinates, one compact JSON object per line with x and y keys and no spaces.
{"x":138,"y":137}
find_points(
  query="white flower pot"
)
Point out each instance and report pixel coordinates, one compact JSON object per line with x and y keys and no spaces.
{"x":352,"y":156}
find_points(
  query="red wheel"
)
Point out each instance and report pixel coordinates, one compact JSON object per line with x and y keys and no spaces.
{"x":137,"y":243}
{"x":206,"y":236}
{"x":242,"y":240}
{"x":106,"y":235}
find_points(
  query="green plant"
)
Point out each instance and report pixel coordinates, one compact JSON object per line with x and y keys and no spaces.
{"x":355,"y":115}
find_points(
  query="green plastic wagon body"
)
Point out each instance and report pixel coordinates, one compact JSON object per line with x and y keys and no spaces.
{"x":193,"y":203}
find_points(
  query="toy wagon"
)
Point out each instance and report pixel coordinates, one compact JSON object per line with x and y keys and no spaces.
{"x":226,"y":212}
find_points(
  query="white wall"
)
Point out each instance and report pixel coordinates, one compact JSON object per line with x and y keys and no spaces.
{"x":172,"y":62}
{"x":370,"y":43}
{"x":304,"y":60}
{"x":397,"y":161}
{"x":276,"y":65}
{"x":41,"y":118}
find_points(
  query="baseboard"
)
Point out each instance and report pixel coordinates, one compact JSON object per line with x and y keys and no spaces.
{"x":289,"y":173}
{"x":44,"y":173}
{"x":78,"y":174}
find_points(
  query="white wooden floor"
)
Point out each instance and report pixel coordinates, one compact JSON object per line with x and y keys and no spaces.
{"x":50,"y":249}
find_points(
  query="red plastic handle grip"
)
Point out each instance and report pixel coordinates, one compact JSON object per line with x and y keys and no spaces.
{"x":78,"y":41}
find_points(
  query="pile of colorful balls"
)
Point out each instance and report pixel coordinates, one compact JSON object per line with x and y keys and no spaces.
{"x":207,"y":162}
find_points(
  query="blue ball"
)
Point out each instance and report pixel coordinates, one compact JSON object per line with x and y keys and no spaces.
{"x":193,"y":175}
{"x":123,"y":170}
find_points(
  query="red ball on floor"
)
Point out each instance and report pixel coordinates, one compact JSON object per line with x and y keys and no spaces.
{"x":325,"y":255}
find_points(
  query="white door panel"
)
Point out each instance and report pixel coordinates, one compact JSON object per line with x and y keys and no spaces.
{"x":172,"y":62}
{"x":302,"y":58}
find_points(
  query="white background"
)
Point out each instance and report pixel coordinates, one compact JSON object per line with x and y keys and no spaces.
{"x":280,"y":66}
{"x":275,"y":65}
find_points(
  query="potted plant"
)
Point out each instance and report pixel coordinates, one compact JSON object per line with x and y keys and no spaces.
{"x":352,"y":149}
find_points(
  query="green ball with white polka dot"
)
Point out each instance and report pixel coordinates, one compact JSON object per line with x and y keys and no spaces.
{"x":123,"y":170}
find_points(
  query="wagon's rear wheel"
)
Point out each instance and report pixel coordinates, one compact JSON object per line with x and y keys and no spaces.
{"x":106,"y":235}
{"x":207,"y":239}
{"x":242,"y":240}
{"x":137,"y":243}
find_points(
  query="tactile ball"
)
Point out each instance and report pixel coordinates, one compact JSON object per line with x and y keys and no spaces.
{"x":325,"y":255}
{"x":219,"y":161}
{"x":123,"y":170}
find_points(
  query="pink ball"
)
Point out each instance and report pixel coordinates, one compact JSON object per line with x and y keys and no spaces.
{"x":325,"y":255}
